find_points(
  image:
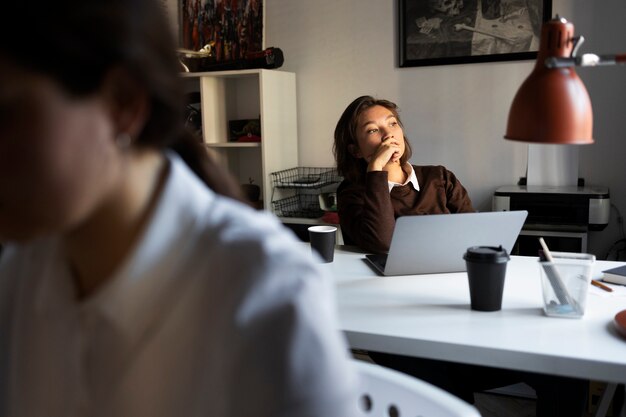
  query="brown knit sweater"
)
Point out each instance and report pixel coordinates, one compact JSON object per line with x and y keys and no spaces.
{"x":368,"y":211}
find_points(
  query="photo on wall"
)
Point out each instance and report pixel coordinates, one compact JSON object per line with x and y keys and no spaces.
{"x":227,"y":29}
{"x":438,"y":32}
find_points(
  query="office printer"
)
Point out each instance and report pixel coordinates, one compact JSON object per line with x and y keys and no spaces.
{"x":571,"y":207}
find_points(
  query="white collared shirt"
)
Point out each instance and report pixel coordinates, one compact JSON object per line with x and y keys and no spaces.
{"x":217,"y":312}
{"x":411,"y":178}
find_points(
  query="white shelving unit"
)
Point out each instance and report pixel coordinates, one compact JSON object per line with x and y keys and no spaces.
{"x":268,"y":95}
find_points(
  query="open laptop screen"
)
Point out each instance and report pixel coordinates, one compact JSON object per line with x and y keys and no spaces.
{"x":436,"y":243}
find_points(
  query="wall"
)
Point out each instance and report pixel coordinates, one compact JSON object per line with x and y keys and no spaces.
{"x":454,"y":115}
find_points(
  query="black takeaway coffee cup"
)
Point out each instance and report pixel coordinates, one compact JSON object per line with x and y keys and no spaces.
{"x":486,"y":269}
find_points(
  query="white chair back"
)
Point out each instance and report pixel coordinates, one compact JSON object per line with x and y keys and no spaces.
{"x":389,"y":393}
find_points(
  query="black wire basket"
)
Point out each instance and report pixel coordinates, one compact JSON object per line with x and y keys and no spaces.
{"x":305,"y":177}
{"x":301,"y":205}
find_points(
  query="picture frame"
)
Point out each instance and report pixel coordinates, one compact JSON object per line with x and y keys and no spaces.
{"x":442,"y":32}
{"x":224,"y":30}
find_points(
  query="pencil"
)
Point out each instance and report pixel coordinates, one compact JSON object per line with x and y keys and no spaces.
{"x":601,"y":285}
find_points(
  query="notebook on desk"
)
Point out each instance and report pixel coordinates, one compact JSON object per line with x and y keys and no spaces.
{"x":436,"y":243}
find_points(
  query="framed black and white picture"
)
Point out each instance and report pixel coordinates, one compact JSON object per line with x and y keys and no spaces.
{"x":438,"y":32}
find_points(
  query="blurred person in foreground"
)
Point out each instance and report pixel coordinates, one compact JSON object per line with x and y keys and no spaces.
{"x":132,"y":281}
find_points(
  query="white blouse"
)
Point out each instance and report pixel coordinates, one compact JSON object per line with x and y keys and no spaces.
{"x":217,"y":312}
{"x":411,"y":178}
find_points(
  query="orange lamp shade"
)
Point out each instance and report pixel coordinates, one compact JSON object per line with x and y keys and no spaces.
{"x":552,"y":106}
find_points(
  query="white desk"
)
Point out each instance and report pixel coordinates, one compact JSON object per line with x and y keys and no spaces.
{"x":429,"y":316}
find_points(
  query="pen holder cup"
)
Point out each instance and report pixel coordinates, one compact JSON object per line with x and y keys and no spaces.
{"x":565,"y":283}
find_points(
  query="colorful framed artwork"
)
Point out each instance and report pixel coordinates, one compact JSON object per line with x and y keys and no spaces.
{"x":228,"y":29}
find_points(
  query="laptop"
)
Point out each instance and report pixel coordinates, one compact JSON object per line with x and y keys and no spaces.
{"x":435,"y":243}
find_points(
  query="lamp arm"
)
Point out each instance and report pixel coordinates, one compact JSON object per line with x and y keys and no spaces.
{"x":585,"y":60}
{"x":577,"y":41}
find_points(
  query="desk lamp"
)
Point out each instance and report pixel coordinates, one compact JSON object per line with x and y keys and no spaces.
{"x":552,"y":107}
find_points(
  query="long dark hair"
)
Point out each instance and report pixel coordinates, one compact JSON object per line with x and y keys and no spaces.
{"x":349,"y":166}
{"x":77,"y":42}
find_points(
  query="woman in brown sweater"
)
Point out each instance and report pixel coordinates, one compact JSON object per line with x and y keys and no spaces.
{"x":380,"y":184}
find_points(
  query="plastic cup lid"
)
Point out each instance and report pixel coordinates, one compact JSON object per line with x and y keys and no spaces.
{"x":486,"y":254}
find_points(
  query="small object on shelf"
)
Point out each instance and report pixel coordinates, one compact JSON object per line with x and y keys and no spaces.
{"x":193,"y":113}
{"x":246,"y":130}
{"x":206,"y":60}
{"x":192,"y":61}
{"x":251,"y":191}
{"x":328,"y":201}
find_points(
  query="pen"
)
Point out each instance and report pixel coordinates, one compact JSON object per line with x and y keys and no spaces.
{"x":601,"y":285}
